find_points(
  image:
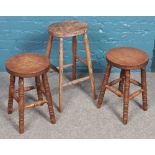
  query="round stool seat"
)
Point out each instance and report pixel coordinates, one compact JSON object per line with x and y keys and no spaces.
{"x":127,"y":58}
{"x":68,"y":28}
{"x":27,"y":65}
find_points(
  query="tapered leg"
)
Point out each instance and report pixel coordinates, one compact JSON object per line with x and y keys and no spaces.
{"x":74,"y":48}
{"x":21,"y":105}
{"x":49,"y":46}
{"x":49,"y":98}
{"x":103,"y":86}
{"x":11,"y":94}
{"x":144,"y":87}
{"x":86,"y":43}
{"x":122,"y":76}
{"x":126,"y":96}
{"x":61,"y":75}
{"x":38,"y":85}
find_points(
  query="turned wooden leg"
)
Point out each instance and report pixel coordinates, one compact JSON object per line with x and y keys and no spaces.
{"x":103,"y":88}
{"x":144,"y":87}
{"x":11,"y":94}
{"x":61,"y":75}
{"x":38,"y":86}
{"x":21,"y":105}
{"x":49,"y":98}
{"x":49,"y":46}
{"x":74,"y":48}
{"x":89,"y":63}
{"x":126,"y":96}
{"x":121,"y":83}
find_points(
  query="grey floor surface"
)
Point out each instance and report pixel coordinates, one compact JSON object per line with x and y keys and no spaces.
{"x":80,"y":118}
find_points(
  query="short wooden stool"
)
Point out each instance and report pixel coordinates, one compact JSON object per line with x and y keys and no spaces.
{"x":126,"y":59}
{"x":71,"y":28}
{"x":25,"y":66}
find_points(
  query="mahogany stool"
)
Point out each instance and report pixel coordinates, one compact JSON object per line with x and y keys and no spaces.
{"x":25,"y":66}
{"x":126,"y":59}
{"x":71,"y":28}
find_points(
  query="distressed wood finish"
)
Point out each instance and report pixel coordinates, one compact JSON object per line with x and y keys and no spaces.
{"x":126,"y":59}
{"x":126,"y":96}
{"x":27,"y":70}
{"x":144,"y":87}
{"x":21,"y":104}
{"x":133,"y":95}
{"x":135,"y":82}
{"x":76,"y":81}
{"x":38,"y":86}
{"x":27,"y":65}
{"x":114,"y":82}
{"x":49,"y":98}
{"x":122,"y":76}
{"x":74,"y":48}
{"x":35,"y":104}
{"x":114,"y":90}
{"x":28,"y":88}
{"x":61,"y":75}
{"x":49,"y":46}
{"x":70,"y":28}
{"x":103,"y":85}
{"x":89,"y":63}
{"x":11,"y":94}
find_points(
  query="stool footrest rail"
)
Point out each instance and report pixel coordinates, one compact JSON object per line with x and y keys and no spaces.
{"x":76,"y":81}
{"x":35,"y":104}
{"x":133,"y":95}
{"x":114,"y":90}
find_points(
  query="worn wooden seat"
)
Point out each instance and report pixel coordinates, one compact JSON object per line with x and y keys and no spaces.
{"x":68,"y":28}
{"x":23,"y":66}
{"x":126,"y":59}
{"x":27,"y":65}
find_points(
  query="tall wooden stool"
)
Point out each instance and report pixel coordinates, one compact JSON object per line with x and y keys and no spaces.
{"x":126,"y":59}
{"x":25,"y":66}
{"x":72,"y":29}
